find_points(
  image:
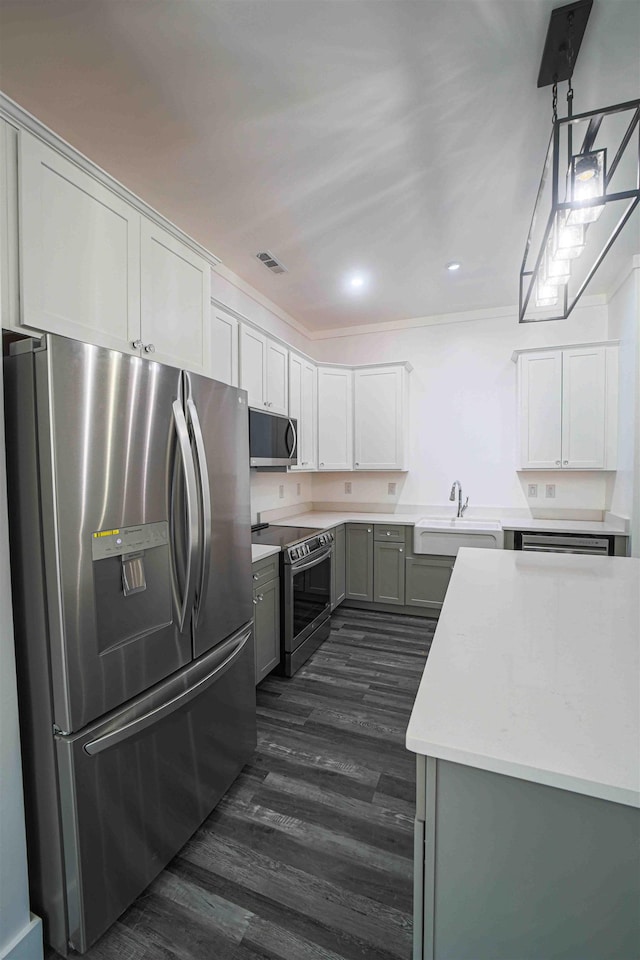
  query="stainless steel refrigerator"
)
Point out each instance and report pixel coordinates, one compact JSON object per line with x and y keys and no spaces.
{"x":131,"y":567}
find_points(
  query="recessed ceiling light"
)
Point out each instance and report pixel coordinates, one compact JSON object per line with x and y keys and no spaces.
{"x":357,"y":281}
{"x":453,"y":265}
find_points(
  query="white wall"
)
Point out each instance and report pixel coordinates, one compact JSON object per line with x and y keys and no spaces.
{"x":20,"y":934}
{"x":624,"y":324}
{"x":266,"y":487}
{"x":463,"y":413}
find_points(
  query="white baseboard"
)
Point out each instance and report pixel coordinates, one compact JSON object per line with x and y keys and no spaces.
{"x":28,"y":943}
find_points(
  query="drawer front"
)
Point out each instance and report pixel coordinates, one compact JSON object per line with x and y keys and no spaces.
{"x":264,"y":570}
{"x":393,"y":533}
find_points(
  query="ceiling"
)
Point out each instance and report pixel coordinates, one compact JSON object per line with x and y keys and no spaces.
{"x":385,"y":136}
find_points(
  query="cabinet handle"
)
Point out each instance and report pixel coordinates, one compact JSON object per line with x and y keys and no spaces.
{"x":557,"y":463}
{"x":256,"y":576}
{"x":388,"y":533}
{"x":266,"y":403}
{"x":565,"y":462}
{"x":149,"y":348}
{"x":260,"y":597}
{"x":254,"y":601}
{"x":137,"y":344}
{"x":357,"y":464}
{"x":400,"y":550}
{"x":368,"y":529}
{"x":322,"y":464}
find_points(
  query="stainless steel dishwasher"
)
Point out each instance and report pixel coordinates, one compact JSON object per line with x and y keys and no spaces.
{"x":598,"y":546}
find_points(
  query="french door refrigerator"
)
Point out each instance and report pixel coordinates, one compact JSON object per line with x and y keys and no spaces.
{"x":131,"y":567}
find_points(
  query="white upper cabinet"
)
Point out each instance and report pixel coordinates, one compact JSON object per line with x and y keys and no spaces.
{"x":335,"y":419}
{"x":568,"y":408}
{"x":79,"y":251}
{"x":277,"y":378}
{"x":92,"y":267}
{"x":224,"y":347}
{"x":381,"y":412}
{"x":264,"y":371}
{"x":175,"y":294}
{"x":253,"y":365}
{"x":303,"y":407}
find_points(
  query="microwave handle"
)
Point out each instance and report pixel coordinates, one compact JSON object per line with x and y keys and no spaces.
{"x":291,"y":452}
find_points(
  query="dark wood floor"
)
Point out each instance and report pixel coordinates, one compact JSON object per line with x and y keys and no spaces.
{"x":309,"y":855}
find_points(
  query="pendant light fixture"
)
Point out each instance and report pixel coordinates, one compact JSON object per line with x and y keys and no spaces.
{"x":590,"y":183}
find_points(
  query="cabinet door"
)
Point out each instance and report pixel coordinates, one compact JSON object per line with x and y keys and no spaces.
{"x":266,"y":628}
{"x":427,"y":579}
{"x":224,"y":347}
{"x":175,"y":288}
{"x":359,"y":561}
{"x":540,"y":405}
{"x":583,"y":408}
{"x":338,"y":592}
{"x":79,"y":252}
{"x":379,"y":418}
{"x":335,"y":419}
{"x":277,"y":395}
{"x":388,"y":572}
{"x":253,"y":366}
{"x":303,"y":405}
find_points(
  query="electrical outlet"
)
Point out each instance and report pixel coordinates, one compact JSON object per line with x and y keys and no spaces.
{"x":347,"y":486}
{"x":550,"y":491}
{"x":532,"y":490}
{"x":298,"y":488}
{"x":391,"y":489}
{"x":281,"y":491}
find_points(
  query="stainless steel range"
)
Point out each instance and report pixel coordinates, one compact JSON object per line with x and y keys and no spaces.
{"x":306,"y":567}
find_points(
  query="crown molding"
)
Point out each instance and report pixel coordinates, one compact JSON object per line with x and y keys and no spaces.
{"x":18,"y":117}
{"x":246,"y":288}
{"x":490,"y":313}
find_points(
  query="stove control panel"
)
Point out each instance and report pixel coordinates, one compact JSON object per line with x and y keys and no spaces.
{"x":308,"y":547}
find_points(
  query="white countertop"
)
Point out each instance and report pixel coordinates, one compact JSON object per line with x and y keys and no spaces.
{"x":327,"y":520}
{"x":324,"y":521}
{"x":260,"y":551}
{"x":534,"y":672}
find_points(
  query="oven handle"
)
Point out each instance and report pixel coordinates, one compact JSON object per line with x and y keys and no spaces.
{"x":299,"y":566}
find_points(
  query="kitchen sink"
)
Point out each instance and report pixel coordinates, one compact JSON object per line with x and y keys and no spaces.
{"x":445,"y":535}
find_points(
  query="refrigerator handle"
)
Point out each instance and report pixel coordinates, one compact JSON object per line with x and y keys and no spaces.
{"x":154,"y":716}
{"x":205,"y":490}
{"x":192,"y":511}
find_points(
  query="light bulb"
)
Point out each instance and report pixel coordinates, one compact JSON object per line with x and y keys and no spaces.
{"x":568,"y":239}
{"x":555,"y":271}
{"x":547,"y":295}
{"x":587,"y":183}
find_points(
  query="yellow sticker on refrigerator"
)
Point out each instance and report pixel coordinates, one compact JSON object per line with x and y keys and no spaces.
{"x":106,"y":533}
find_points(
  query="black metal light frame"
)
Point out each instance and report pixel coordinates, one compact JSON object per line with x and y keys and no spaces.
{"x":595,"y":118}
{"x":564,"y":36}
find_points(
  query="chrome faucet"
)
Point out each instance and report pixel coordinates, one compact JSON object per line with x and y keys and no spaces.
{"x":452,"y":496}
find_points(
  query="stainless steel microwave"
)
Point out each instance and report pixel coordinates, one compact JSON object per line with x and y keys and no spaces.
{"x":273,"y":440}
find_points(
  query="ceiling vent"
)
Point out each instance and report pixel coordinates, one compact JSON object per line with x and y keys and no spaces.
{"x":270,"y":261}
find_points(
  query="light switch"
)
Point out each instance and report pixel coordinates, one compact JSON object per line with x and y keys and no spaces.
{"x":347,"y":486}
{"x":532,"y":490}
{"x":550,"y":491}
{"x":281,"y":491}
{"x":391,"y":489}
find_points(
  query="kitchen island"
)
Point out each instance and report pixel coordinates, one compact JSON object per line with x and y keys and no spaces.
{"x":527,"y":730}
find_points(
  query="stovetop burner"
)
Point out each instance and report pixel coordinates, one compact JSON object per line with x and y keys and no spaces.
{"x":280,"y":536}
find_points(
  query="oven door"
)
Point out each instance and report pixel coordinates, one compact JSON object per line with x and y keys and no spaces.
{"x":307,"y":597}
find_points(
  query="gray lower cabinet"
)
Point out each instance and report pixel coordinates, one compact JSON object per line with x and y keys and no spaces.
{"x":359,"y":561}
{"x":388,"y":572}
{"x":427,"y":579}
{"x":266,"y":612}
{"x":508,"y":868}
{"x":338,"y":586}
